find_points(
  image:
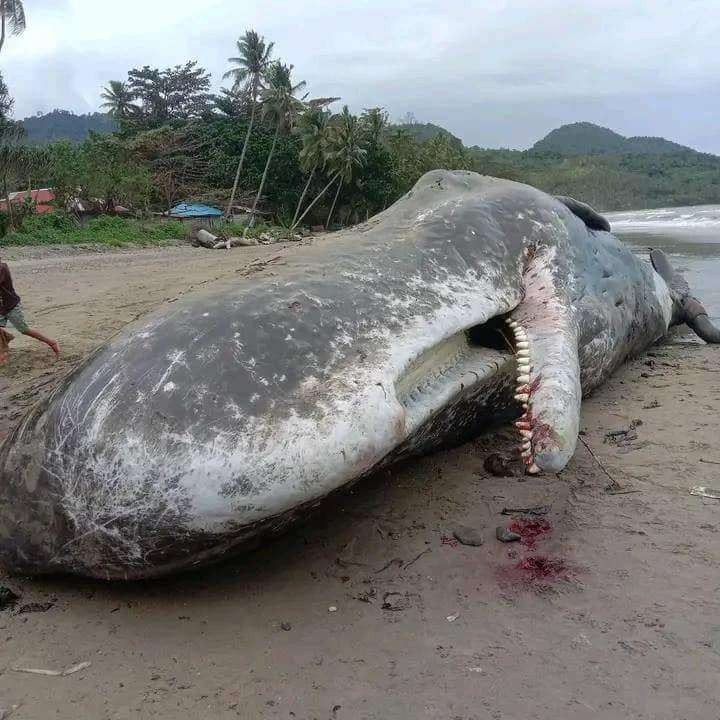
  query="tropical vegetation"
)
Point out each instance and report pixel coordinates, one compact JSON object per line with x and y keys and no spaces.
{"x":262,"y":148}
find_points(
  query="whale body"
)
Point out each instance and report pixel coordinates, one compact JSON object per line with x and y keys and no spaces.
{"x":220,"y":418}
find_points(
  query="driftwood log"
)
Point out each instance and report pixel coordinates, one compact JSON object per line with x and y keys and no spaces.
{"x":215,"y":242}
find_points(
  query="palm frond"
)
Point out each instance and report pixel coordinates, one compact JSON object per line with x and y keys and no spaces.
{"x":14,"y":14}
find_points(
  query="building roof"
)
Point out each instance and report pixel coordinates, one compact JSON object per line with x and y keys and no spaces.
{"x":194,"y":210}
{"x":42,"y":199}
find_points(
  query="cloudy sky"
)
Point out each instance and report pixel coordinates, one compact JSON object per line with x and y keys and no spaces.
{"x":498,"y":73}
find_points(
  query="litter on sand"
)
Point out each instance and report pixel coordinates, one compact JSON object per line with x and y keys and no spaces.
{"x":706,"y":492}
{"x":539,"y":510}
{"x":54,"y":673}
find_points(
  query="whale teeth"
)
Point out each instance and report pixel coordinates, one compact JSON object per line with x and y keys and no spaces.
{"x":523,"y":379}
{"x":523,"y":425}
{"x":533,"y":469}
{"x":523,"y":354}
{"x":512,"y":323}
{"x":523,"y":345}
{"x":527,"y":446}
{"x":525,"y":406}
{"x":526,"y":433}
{"x":522,"y":397}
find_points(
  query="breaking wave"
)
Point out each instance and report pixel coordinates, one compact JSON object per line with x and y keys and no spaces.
{"x":701,"y":217}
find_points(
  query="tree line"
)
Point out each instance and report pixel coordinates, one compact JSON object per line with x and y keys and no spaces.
{"x":261,"y":143}
{"x":264,"y":144}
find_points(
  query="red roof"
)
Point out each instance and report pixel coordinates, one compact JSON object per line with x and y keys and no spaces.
{"x":42,"y":198}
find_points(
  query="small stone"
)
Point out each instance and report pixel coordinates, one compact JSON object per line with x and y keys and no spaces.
{"x":468,"y":536}
{"x":286,"y":626}
{"x":506,"y":536}
{"x":7,"y":597}
{"x":497,"y":465}
{"x":332,"y":608}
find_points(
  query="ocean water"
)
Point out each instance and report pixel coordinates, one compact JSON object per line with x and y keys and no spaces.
{"x":690,"y":236}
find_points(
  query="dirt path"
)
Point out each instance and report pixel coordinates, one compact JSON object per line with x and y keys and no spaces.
{"x":613,"y":611}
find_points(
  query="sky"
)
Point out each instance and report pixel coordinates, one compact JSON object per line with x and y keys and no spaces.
{"x":497,"y":73}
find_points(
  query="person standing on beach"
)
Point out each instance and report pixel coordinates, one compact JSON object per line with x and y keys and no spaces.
{"x":11,"y":312}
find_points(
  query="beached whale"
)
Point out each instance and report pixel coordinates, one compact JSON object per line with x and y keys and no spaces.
{"x":470,"y":302}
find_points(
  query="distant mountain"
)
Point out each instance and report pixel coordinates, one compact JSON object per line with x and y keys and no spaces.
{"x":585,"y":138}
{"x":425,"y":131}
{"x":65,"y":125}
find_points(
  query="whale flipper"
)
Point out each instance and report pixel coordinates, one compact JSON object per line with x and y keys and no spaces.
{"x":686,"y":308}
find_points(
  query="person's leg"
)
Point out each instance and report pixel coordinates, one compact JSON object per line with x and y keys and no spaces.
{"x":17,"y":319}
{"x":4,"y":345}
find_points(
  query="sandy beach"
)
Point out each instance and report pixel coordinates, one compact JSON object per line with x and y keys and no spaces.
{"x":609,"y":607}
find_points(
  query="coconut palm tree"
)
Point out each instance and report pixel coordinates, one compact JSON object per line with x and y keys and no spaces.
{"x":12,"y":18}
{"x":253,"y":61}
{"x":32,"y":164}
{"x":313,"y":128}
{"x":11,"y":151}
{"x":346,"y":151}
{"x":280,"y":106}
{"x":374,"y":120}
{"x":118,"y":100}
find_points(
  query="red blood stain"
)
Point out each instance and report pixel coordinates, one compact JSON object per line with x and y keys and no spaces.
{"x":538,"y":568}
{"x":535,"y":384}
{"x":530,"y":530}
{"x":533,"y":568}
{"x":544,"y":436}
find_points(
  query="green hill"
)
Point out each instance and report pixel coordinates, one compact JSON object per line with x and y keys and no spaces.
{"x":424,"y":131}
{"x":585,"y":138}
{"x":65,"y":125}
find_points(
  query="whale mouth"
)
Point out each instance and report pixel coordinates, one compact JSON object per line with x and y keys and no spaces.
{"x":475,"y":368}
{"x":480,"y":364}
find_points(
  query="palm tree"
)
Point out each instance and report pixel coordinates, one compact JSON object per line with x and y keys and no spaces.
{"x":32,"y":164}
{"x":11,"y":150}
{"x":12,"y":17}
{"x":374,"y":120}
{"x":346,"y":151}
{"x":280,"y":105}
{"x":313,"y":127}
{"x":253,"y":61}
{"x":118,"y":100}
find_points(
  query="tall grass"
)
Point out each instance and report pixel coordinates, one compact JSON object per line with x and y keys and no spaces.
{"x":61,"y":229}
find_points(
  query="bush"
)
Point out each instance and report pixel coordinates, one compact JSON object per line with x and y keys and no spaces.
{"x":62,"y":229}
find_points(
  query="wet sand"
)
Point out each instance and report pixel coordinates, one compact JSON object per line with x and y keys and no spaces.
{"x":609,"y":608}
